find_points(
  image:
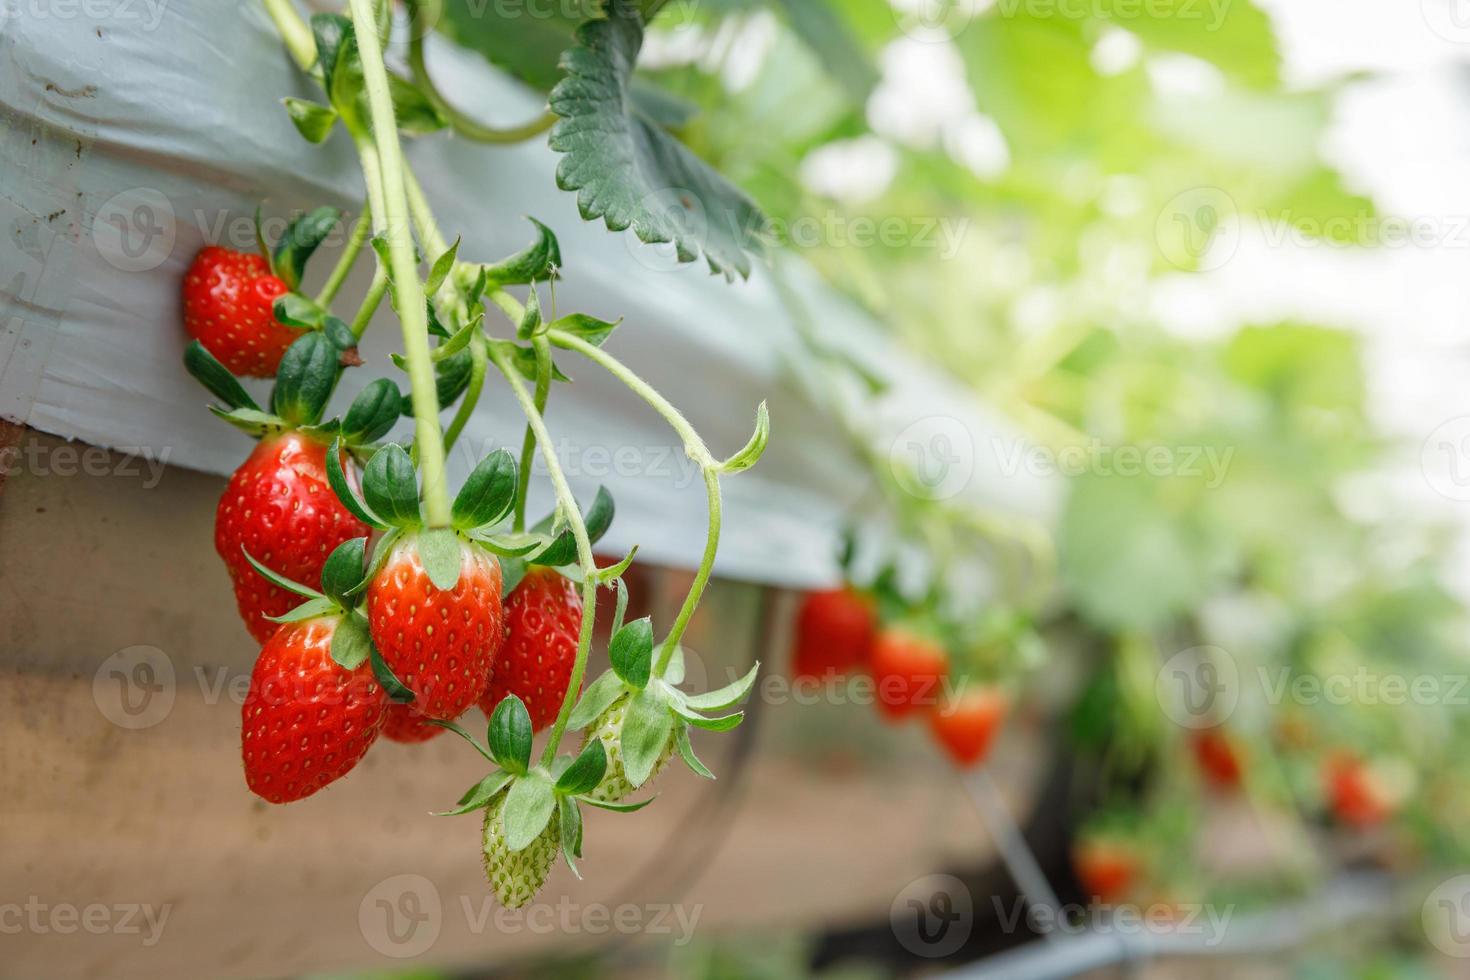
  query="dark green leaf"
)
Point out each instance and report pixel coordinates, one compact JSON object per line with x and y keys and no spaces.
{"x":312,"y":119}
{"x":563,"y":551}
{"x":506,"y":35}
{"x":583,"y":775}
{"x":329,"y":30}
{"x":629,"y":171}
{"x":390,"y":486}
{"x":303,"y":235}
{"x":489,"y":492}
{"x":216,"y":378}
{"x":351,"y":645}
{"x":439,"y":548}
{"x":415,"y":113}
{"x":372,"y":413}
{"x":512,"y":570}
{"x":307,"y":375}
{"x":631,"y":652}
{"x":339,"y":333}
{"x":659,"y":105}
{"x":827,"y":34}
{"x":295,"y":310}
{"x":343,"y":571}
{"x":537,"y":262}
{"x":510,"y":734}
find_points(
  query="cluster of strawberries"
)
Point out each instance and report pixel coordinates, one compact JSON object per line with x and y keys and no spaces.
{"x":839,"y":631}
{"x":308,"y":717}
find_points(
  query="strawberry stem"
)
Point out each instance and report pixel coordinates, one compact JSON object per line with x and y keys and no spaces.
{"x":347,"y":259}
{"x":403,"y":266}
{"x":294,"y":32}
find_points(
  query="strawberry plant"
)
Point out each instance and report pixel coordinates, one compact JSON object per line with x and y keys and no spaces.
{"x":385,"y":605}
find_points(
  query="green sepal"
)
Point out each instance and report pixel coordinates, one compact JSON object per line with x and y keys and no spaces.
{"x":260,"y":246}
{"x":440,"y":552}
{"x":308,"y":374}
{"x":415,"y":114}
{"x":646,"y":731}
{"x":531,"y":321}
{"x":563,"y":550}
{"x":478,"y":796}
{"x":336,"y":45}
{"x":523,"y":359}
{"x":752,"y":450}
{"x":313,"y":120}
{"x":614,"y":572}
{"x":585,"y":772}
{"x":537,"y":262}
{"x":441,"y":268}
{"x":488,"y":493}
{"x":451,"y":378}
{"x":343,"y":571}
{"x":252,"y":420}
{"x":216,"y":378}
{"x":337,"y":479}
{"x":569,"y":817}
{"x":596,"y":699}
{"x":372,"y":414}
{"x":335,"y":329}
{"x":329,"y":31}
{"x":616,"y":807}
{"x":295,"y":310}
{"x":726,"y":696}
{"x":436,"y":326}
{"x":631,"y":652}
{"x":528,"y":807}
{"x":351,"y":644}
{"x":510,"y":735}
{"x":278,"y":580}
{"x":510,"y":544}
{"x":459,"y":340}
{"x":381,"y":550}
{"x":686,"y":752}
{"x":392,"y":686}
{"x":620,"y":607}
{"x":673,"y":674}
{"x":584,"y":327}
{"x":722,"y":724}
{"x":310,"y":609}
{"x":303,"y":235}
{"x":390,"y":486}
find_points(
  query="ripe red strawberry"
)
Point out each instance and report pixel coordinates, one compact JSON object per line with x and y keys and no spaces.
{"x":408,"y":726}
{"x":908,"y":672}
{"x":229,"y":302}
{"x":440,"y":644}
{"x":1106,"y":870}
{"x":306,"y":720}
{"x":1355,"y":794}
{"x":965,"y":723}
{"x":279,"y":507}
{"x":834,"y":633}
{"x":543,"y":618}
{"x":1217,"y":757}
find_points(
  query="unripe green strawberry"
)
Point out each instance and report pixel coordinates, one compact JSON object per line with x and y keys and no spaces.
{"x":608,"y":727}
{"x":516,"y":876}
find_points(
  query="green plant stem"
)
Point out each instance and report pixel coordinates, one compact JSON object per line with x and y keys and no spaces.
{"x":295,"y":32}
{"x":370,"y":303}
{"x":694,"y":447}
{"x":568,"y":504}
{"x":348,"y":258}
{"x":528,"y":443}
{"x":428,"y":12}
{"x":403,"y":267}
{"x":479,"y":361}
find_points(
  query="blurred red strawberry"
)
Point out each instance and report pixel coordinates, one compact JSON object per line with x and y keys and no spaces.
{"x":965,"y":723}
{"x":834,"y":633}
{"x":908,"y":672}
{"x":1218,"y":757}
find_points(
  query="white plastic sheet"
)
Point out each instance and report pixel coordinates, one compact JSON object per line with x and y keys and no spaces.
{"x":136,"y":131}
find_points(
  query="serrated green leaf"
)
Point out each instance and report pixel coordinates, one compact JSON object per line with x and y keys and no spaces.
{"x":646,"y":731}
{"x":686,"y":751}
{"x":631,"y":652}
{"x":510,"y":734}
{"x":343,"y":571}
{"x":827,"y":34}
{"x":337,"y":479}
{"x":372,"y":414}
{"x":313,"y":120}
{"x":726,"y":696}
{"x":303,"y":235}
{"x":390,"y":486}
{"x":569,"y":816}
{"x":528,"y":807}
{"x":216,"y":378}
{"x":351,"y":645}
{"x":488,"y":493}
{"x":306,"y":378}
{"x":629,"y":171}
{"x":440,"y":551}
{"x":478,"y":796}
{"x":585,"y":772}
{"x":598,"y":697}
